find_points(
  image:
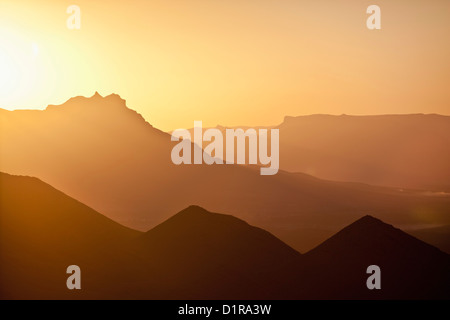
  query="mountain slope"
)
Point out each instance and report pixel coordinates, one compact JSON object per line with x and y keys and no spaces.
{"x":43,"y":231}
{"x":437,"y":236}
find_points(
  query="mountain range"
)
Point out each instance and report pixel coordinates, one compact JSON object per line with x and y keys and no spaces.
{"x":107,"y":156}
{"x":197,"y":254}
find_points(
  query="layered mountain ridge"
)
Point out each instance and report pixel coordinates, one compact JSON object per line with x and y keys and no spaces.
{"x":107,"y":156}
{"x":197,"y":254}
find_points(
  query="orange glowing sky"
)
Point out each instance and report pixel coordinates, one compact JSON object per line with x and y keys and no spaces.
{"x":234,"y":62}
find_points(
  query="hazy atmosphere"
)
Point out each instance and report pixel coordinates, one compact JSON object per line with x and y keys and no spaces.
{"x":229,"y":62}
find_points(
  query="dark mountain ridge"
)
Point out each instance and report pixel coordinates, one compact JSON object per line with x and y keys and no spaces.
{"x":197,"y":254}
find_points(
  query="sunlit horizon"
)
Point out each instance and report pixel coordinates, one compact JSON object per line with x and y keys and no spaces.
{"x":230,"y":64}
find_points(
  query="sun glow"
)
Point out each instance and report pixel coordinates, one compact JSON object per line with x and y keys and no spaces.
{"x":189,"y":61}
{"x":19,"y":68}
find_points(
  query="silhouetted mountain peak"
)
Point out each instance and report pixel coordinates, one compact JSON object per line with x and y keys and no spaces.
{"x":102,"y":107}
{"x":193,"y":211}
{"x":401,"y":257}
{"x":370,"y":222}
{"x":194,"y":207}
{"x":215,"y":246}
{"x":370,"y":230}
{"x":96,"y":100}
{"x":197,"y":218}
{"x":367,"y":227}
{"x":195,"y":225}
{"x":97,"y":95}
{"x":369,"y":235}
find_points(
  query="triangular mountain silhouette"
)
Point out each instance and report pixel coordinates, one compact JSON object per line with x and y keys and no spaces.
{"x":194,"y":226}
{"x":196,"y":254}
{"x":410,"y":268}
{"x":104,"y":154}
{"x":204,"y":251}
